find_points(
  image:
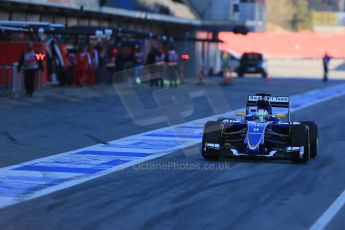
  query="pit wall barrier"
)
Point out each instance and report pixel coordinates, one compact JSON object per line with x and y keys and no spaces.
{"x":12,"y":82}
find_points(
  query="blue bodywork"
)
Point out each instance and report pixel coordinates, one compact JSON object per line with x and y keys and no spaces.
{"x":255,"y":136}
{"x":259,"y":133}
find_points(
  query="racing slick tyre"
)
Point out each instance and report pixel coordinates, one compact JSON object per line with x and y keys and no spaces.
{"x":313,"y":135}
{"x":211,"y":135}
{"x":300,"y":137}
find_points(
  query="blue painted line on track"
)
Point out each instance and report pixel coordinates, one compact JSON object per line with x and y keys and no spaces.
{"x":20,"y":189}
{"x":13,"y":186}
{"x":115,"y":162}
{"x":173,"y":135}
{"x":146,"y":144}
{"x":39,"y":168}
{"x":111,"y":153}
{"x":85,"y":170}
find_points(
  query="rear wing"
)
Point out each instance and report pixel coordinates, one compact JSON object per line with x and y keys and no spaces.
{"x":275,"y":102}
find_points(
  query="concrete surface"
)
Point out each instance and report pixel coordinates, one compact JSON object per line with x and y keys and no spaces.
{"x":249,"y":194}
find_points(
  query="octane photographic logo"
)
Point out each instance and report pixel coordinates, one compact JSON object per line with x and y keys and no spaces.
{"x":147,"y":106}
{"x":175,"y":166}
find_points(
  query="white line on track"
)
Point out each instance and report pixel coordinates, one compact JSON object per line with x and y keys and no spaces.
{"x":330,"y":213}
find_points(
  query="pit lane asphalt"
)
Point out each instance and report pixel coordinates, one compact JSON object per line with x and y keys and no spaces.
{"x":251,"y":194}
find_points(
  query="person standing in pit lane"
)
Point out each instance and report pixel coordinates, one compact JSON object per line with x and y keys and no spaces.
{"x":160,"y":67}
{"x":82,"y":66}
{"x":72,"y":67}
{"x":92,"y":65}
{"x":63,"y":63}
{"x":172,"y":59}
{"x":138,"y":64}
{"x":31,"y":65}
{"x":150,"y":62}
{"x":110,"y":66}
{"x":325,"y":61}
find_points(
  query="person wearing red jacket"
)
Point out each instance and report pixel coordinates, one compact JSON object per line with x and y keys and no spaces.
{"x":82,"y":66}
{"x":72,"y":68}
{"x":92,"y":64}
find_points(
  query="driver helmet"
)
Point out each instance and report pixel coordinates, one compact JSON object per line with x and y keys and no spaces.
{"x":261,"y":114}
{"x":265,"y":105}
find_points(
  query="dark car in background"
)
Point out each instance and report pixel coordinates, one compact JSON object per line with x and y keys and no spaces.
{"x":252,"y":63}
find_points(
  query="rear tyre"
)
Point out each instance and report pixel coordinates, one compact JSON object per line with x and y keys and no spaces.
{"x":313,"y":135}
{"x":212,"y":135}
{"x":300,"y":137}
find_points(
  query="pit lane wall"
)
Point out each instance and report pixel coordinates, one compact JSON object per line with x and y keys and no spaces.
{"x":286,"y":45}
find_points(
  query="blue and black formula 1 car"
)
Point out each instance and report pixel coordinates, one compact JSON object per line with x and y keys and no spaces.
{"x":261,"y":133}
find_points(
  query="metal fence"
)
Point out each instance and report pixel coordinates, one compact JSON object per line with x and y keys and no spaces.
{"x":12,"y":82}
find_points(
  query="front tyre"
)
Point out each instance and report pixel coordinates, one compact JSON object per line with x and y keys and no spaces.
{"x":211,"y":138}
{"x":300,"y":138}
{"x":313,"y":135}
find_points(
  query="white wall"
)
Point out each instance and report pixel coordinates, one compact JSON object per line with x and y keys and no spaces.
{"x":88,"y":4}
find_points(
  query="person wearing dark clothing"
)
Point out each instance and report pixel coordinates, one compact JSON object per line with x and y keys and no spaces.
{"x":150,"y":61}
{"x":172,"y":60}
{"x":138,"y":64}
{"x":30,"y":66}
{"x":110,"y":64}
{"x":120,"y":64}
{"x":100,"y":70}
{"x":325,"y":60}
{"x":159,"y":68}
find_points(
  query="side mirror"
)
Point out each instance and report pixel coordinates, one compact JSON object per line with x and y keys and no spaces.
{"x":280,"y":116}
{"x":240,"y":114}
